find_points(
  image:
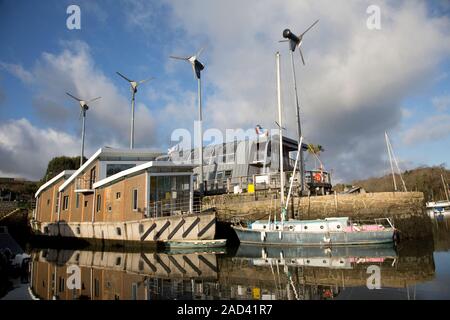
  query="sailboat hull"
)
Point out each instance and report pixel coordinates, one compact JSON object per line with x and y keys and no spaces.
{"x":290,"y":238}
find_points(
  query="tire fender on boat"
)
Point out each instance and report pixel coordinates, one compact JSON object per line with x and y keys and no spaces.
{"x":396,"y":235}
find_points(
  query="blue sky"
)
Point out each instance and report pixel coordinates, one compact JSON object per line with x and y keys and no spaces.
{"x":357,"y":83}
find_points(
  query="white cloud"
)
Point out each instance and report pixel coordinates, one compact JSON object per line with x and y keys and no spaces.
{"x":431,"y":129}
{"x":351,"y":89}
{"x":25,"y":149}
{"x":108,"y":119}
{"x":354,"y":82}
{"x":441,"y":103}
{"x":73,"y":70}
{"x":18,"y":71}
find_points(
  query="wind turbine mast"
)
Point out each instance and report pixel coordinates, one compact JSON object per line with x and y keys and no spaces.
{"x":280,"y":124}
{"x":296,"y":42}
{"x":197,"y":68}
{"x":133,"y":87}
{"x":84,"y":107}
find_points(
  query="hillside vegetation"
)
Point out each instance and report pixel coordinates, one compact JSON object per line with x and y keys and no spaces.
{"x":425,"y":179}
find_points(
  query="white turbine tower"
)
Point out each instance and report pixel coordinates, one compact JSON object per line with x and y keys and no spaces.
{"x":296,"y":42}
{"x":84,"y":107}
{"x":133,"y":86}
{"x":197,"y":67}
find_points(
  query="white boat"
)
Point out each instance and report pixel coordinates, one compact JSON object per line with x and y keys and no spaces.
{"x":438,"y":209}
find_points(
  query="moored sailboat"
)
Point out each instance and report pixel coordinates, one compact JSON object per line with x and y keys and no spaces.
{"x":321,"y":232}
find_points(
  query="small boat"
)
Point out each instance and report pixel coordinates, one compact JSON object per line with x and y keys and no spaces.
{"x":438,"y":209}
{"x":194,"y":244}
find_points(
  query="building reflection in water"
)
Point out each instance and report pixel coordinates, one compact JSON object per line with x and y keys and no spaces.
{"x":253,"y":272}
{"x":118,"y":275}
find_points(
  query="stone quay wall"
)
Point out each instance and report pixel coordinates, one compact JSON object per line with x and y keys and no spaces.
{"x":7,"y":206}
{"x":406,"y":209}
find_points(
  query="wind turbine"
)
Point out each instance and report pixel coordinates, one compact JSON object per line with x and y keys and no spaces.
{"x":84,"y":107}
{"x":133,"y":87}
{"x":197,"y":67}
{"x":296,"y":42}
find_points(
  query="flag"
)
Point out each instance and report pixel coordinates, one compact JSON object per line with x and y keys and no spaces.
{"x":173,"y":149}
{"x":261,"y":132}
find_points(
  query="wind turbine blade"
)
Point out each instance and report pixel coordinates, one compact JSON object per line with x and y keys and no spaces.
{"x":283,"y":40}
{"x":81,"y":114}
{"x":123,"y":76}
{"x":179,"y":58}
{"x":195,"y":71}
{"x":200,"y":52}
{"x":145,"y":80}
{"x":278,"y":125}
{"x":301,"y":55}
{"x":94,"y":99}
{"x":78,"y":99}
{"x":309,"y":28}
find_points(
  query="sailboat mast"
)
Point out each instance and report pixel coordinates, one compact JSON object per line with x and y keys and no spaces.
{"x":445,"y":187}
{"x":280,"y":123}
{"x":390,"y":160}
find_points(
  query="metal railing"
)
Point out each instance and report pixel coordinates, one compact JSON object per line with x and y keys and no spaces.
{"x":165,"y":208}
{"x":82,"y":183}
{"x":385,"y":222}
{"x":265,"y":181}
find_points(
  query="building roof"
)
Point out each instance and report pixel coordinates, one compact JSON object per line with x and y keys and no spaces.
{"x":53,"y":180}
{"x":154,"y":164}
{"x":110,"y":152}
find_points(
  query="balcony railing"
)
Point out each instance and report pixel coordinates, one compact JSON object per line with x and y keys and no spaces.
{"x":84,"y":184}
{"x":167,"y":208}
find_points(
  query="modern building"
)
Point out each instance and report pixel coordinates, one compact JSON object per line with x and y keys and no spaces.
{"x":252,"y":161}
{"x":122,"y":195}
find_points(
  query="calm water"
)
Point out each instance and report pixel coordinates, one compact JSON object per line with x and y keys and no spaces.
{"x":413,"y":270}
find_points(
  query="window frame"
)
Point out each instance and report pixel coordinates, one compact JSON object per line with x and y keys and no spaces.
{"x":98,"y":206}
{"x":134,"y":200}
{"x":65,"y":204}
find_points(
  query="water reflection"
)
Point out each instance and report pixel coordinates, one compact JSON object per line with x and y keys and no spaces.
{"x":253,"y":272}
{"x":120,"y":275}
{"x":441,"y":232}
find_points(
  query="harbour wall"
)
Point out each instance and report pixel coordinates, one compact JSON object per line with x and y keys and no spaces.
{"x":7,"y":206}
{"x":406,"y":209}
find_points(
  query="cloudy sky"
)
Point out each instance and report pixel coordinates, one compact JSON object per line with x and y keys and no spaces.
{"x":357,"y":82}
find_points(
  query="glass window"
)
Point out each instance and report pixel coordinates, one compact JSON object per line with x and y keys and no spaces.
{"x":99,"y":202}
{"x":134,"y":291}
{"x":77,"y":201}
{"x":66,"y":202}
{"x":114,"y":168}
{"x":92,"y":177}
{"x":96,"y":287}
{"x":169,"y":195}
{"x":135,"y":200}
